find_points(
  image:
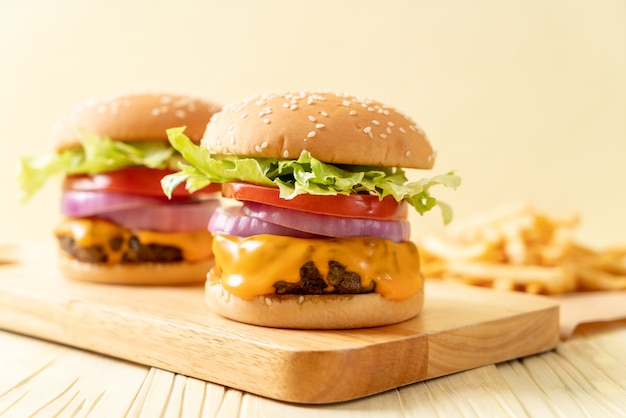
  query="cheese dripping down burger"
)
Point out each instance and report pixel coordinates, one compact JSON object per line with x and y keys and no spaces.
{"x":118,"y":227}
{"x":321,"y":237}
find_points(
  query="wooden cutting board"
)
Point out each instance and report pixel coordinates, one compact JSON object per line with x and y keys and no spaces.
{"x":171,"y":328}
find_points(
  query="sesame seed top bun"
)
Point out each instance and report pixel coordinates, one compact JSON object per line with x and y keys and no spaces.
{"x":334,"y":128}
{"x":133,"y":117}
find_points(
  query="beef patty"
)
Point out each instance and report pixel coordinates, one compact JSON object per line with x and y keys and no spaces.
{"x":340,"y":281}
{"x":133,"y":251}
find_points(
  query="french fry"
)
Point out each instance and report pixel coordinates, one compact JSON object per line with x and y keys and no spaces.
{"x":612,"y":261}
{"x":439,"y":247}
{"x":516,"y":247}
{"x":591,"y":278}
{"x":532,"y":279}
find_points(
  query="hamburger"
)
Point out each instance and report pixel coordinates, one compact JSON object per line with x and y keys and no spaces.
{"x":117,"y":225}
{"x":319,"y":237}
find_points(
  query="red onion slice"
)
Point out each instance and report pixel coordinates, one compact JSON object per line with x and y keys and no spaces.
{"x":231,"y":221}
{"x":327,"y":225}
{"x":166,"y":217}
{"x":80,"y":203}
{"x":140,"y":212}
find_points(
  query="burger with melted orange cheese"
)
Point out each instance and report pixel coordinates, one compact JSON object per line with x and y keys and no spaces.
{"x":319,"y":238}
{"x":118,"y":227}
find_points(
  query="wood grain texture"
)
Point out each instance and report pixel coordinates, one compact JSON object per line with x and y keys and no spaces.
{"x":551,"y":384}
{"x":172,"y":329}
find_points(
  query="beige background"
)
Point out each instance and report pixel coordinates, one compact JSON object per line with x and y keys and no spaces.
{"x":526,"y":99}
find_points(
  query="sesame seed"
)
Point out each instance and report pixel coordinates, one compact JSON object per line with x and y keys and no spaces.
{"x":180,"y":102}
{"x":312,"y":118}
{"x":264,"y":144}
{"x":390,"y":123}
{"x":352,"y":112}
{"x":230,"y":128}
{"x":285,"y":154}
{"x":345,"y":103}
{"x":268,"y":301}
{"x":401,"y":129}
{"x":300,"y":299}
{"x":285,"y":105}
{"x":266,"y":121}
{"x":388,"y":130}
{"x":368,"y":131}
{"x":311,"y":134}
{"x":155,"y":112}
{"x":319,"y":125}
{"x":166,"y":99}
{"x":293,"y":107}
{"x":323,"y":113}
{"x":407,"y":154}
{"x":232,"y":139}
{"x":180,"y":113}
{"x":244,"y":115}
{"x":371,"y":109}
{"x":375,"y":122}
{"x":383,"y":136}
{"x":257,"y":148}
{"x":412,"y":127}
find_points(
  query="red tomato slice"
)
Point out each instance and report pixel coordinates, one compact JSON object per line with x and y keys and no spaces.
{"x":136,"y":180}
{"x":352,"y":206}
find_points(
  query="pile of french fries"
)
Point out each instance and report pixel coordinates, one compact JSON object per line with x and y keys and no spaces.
{"x":520,"y":248}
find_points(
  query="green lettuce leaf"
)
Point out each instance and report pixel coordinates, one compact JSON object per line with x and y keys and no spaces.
{"x":304,"y":175}
{"x":97,"y":155}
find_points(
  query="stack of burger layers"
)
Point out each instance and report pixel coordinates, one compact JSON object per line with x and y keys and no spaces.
{"x":315,"y":232}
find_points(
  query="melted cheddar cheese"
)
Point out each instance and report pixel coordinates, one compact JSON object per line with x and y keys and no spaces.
{"x":88,"y":232}
{"x":250,"y":266}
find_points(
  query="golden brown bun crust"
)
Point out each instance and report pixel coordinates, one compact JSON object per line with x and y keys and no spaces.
{"x":134,"y":117}
{"x":334,"y":128}
{"x":313,"y":311}
{"x":136,"y":274}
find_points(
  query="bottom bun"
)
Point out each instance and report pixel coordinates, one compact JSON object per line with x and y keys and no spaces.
{"x":331,"y":311}
{"x":136,"y":274}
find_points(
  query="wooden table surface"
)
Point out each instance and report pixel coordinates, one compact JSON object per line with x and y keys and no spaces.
{"x":584,"y":376}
